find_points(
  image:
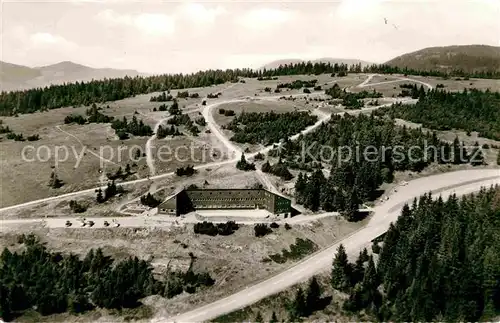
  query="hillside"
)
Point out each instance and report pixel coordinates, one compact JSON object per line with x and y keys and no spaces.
{"x":470,"y":58}
{"x":15,"y":77}
{"x":277,"y":63}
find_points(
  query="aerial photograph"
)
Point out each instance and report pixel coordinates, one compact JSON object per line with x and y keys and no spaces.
{"x":249,"y":161}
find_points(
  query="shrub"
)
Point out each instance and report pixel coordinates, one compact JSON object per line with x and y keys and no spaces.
{"x":274,"y":225}
{"x":261,"y":230}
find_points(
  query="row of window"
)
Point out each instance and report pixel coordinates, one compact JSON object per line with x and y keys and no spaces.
{"x":229,"y":199}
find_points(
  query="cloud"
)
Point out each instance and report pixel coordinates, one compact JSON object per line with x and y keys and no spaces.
{"x":265,"y":18}
{"x":154,"y":24}
{"x":198,"y":13}
{"x":44,"y":39}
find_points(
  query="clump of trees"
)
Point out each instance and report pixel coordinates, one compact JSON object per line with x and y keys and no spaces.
{"x":185,"y":171}
{"x":150,"y":200}
{"x":75,"y":118}
{"x":261,"y":229}
{"x":297,"y":84}
{"x":163,"y":97}
{"x":242,"y":164}
{"x":279,"y":169}
{"x":167,"y":131}
{"x":110,"y":191}
{"x":214,"y":95}
{"x":223,"y":229}
{"x":77,"y":207}
{"x":137,"y":128}
{"x":226,"y":112}
{"x":269,"y":127}
{"x":184,"y":119}
{"x":266,"y":78}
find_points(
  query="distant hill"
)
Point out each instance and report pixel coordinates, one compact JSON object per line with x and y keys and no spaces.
{"x":18,"y":77}
{"x":276,"y":64}
{"x":469,"y":58}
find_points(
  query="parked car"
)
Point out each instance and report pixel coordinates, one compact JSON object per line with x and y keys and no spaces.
{"x":68,"y":223}
{"x":90,"y":223}
{"x":106,"y":223}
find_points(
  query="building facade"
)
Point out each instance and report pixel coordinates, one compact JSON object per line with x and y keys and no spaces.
{"x":212,"y":199}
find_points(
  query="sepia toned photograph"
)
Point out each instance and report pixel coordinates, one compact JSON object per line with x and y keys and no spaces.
{"x":249,"y":161}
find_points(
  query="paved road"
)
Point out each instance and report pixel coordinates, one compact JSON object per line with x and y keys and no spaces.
{"x":459,"y":183}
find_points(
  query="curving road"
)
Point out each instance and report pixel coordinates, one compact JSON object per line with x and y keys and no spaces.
{"x":459,"y":183}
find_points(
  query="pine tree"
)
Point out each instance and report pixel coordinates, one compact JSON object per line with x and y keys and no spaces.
{"x":299,"y":306}
{"x":498,"y":157}
{"x":54,"y":181}
{"x":341,"y":271}
{"x":258,"y":317}
{"x":273,"y":319}
{"x":313,"y":296}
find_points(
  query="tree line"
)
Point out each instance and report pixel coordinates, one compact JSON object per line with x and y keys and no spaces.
{"x":470,"y":110}
{"x":100,"y":91}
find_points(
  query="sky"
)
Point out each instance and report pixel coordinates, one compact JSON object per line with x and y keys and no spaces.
{"x":185,"y":36}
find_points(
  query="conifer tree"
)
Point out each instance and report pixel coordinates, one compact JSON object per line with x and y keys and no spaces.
{"x":341,"y":271}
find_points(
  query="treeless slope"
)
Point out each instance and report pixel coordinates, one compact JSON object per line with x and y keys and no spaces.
{"x":11,"y":73}
{"x":469,"y":58}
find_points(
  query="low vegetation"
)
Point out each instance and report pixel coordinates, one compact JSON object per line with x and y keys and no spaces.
{"x":185,"y":171}
{"x":261,"y":229}
{"x":163,"y":97}
{"x":223,"y":229}
{"x":301,"y":248}
{"x":77,"y":207}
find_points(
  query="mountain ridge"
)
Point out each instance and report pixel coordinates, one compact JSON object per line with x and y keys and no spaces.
{"x":469,"y":58}
{"x":20,"y":77}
